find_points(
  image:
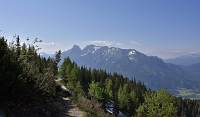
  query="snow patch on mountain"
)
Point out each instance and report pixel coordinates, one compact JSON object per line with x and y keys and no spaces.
{"x":96,"y":48}
{"x":131,"y":55}
{"x":84,"y":54}
{"x":132,"y":52}
{"x":113,"y":51}
{"x":91,"y":50}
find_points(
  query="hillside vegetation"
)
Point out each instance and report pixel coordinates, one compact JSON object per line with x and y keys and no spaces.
{"x":28,"y":88}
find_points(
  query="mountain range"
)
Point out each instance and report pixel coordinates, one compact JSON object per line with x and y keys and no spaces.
{"x":185,"y":60}
{"x":152,"y":70}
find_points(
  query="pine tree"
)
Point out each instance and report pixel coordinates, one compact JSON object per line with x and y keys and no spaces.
{"x":96,"y":91}
{"x":109,"y":88}
{"x":159,"y":104}
{"x":58,"y":57}
{"x":18,"y":46}
{"x":123,"y":96}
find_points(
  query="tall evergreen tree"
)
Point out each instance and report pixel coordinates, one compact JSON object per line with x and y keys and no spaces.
{"x":109,"y":88}
{"x":123,"y":96}
{"x":96,"y":91}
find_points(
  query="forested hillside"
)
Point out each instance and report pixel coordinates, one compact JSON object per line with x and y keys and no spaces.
{"x":131,"y":97}
{"x":28,"y":88}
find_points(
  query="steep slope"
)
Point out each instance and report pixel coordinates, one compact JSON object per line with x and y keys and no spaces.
{"x":151,"y":70}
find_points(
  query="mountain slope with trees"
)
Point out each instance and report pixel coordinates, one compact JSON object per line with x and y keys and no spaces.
{"x":28,"y":88}
{"x":92,"y":87}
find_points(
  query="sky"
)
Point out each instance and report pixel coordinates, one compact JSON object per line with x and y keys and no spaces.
{"x":164,"y":28}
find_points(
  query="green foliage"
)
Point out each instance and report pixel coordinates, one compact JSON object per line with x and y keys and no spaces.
{"x":58,"y":57}
{"x":109,"y":88}
{"x":26,"y":79}
{"x":70,"y":73}
{"x":96,"y":91}
{"x":79,"y":89}
{"x":188,"y":108}
{"x":158,"y":104}
{"x":63,"y":71}
{"x":9,"y":69}
{"x":123,"y":96}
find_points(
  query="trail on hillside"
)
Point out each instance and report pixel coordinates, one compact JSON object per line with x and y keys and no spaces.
{"x":71,"y":109}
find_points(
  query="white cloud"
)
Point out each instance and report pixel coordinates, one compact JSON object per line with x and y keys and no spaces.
{"x":103,"y":43}
{"x":47,"y":43}
{"x":124,"y":44}
{"x":100,"y":43}
{"x":48,"y":47}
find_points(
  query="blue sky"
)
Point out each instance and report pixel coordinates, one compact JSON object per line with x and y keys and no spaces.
{"x":165,"y":28}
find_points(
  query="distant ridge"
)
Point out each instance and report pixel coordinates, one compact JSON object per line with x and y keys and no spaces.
{"x":188,"y":59}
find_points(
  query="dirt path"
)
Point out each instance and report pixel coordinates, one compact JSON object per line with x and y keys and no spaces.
{"x":72,"y":109}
